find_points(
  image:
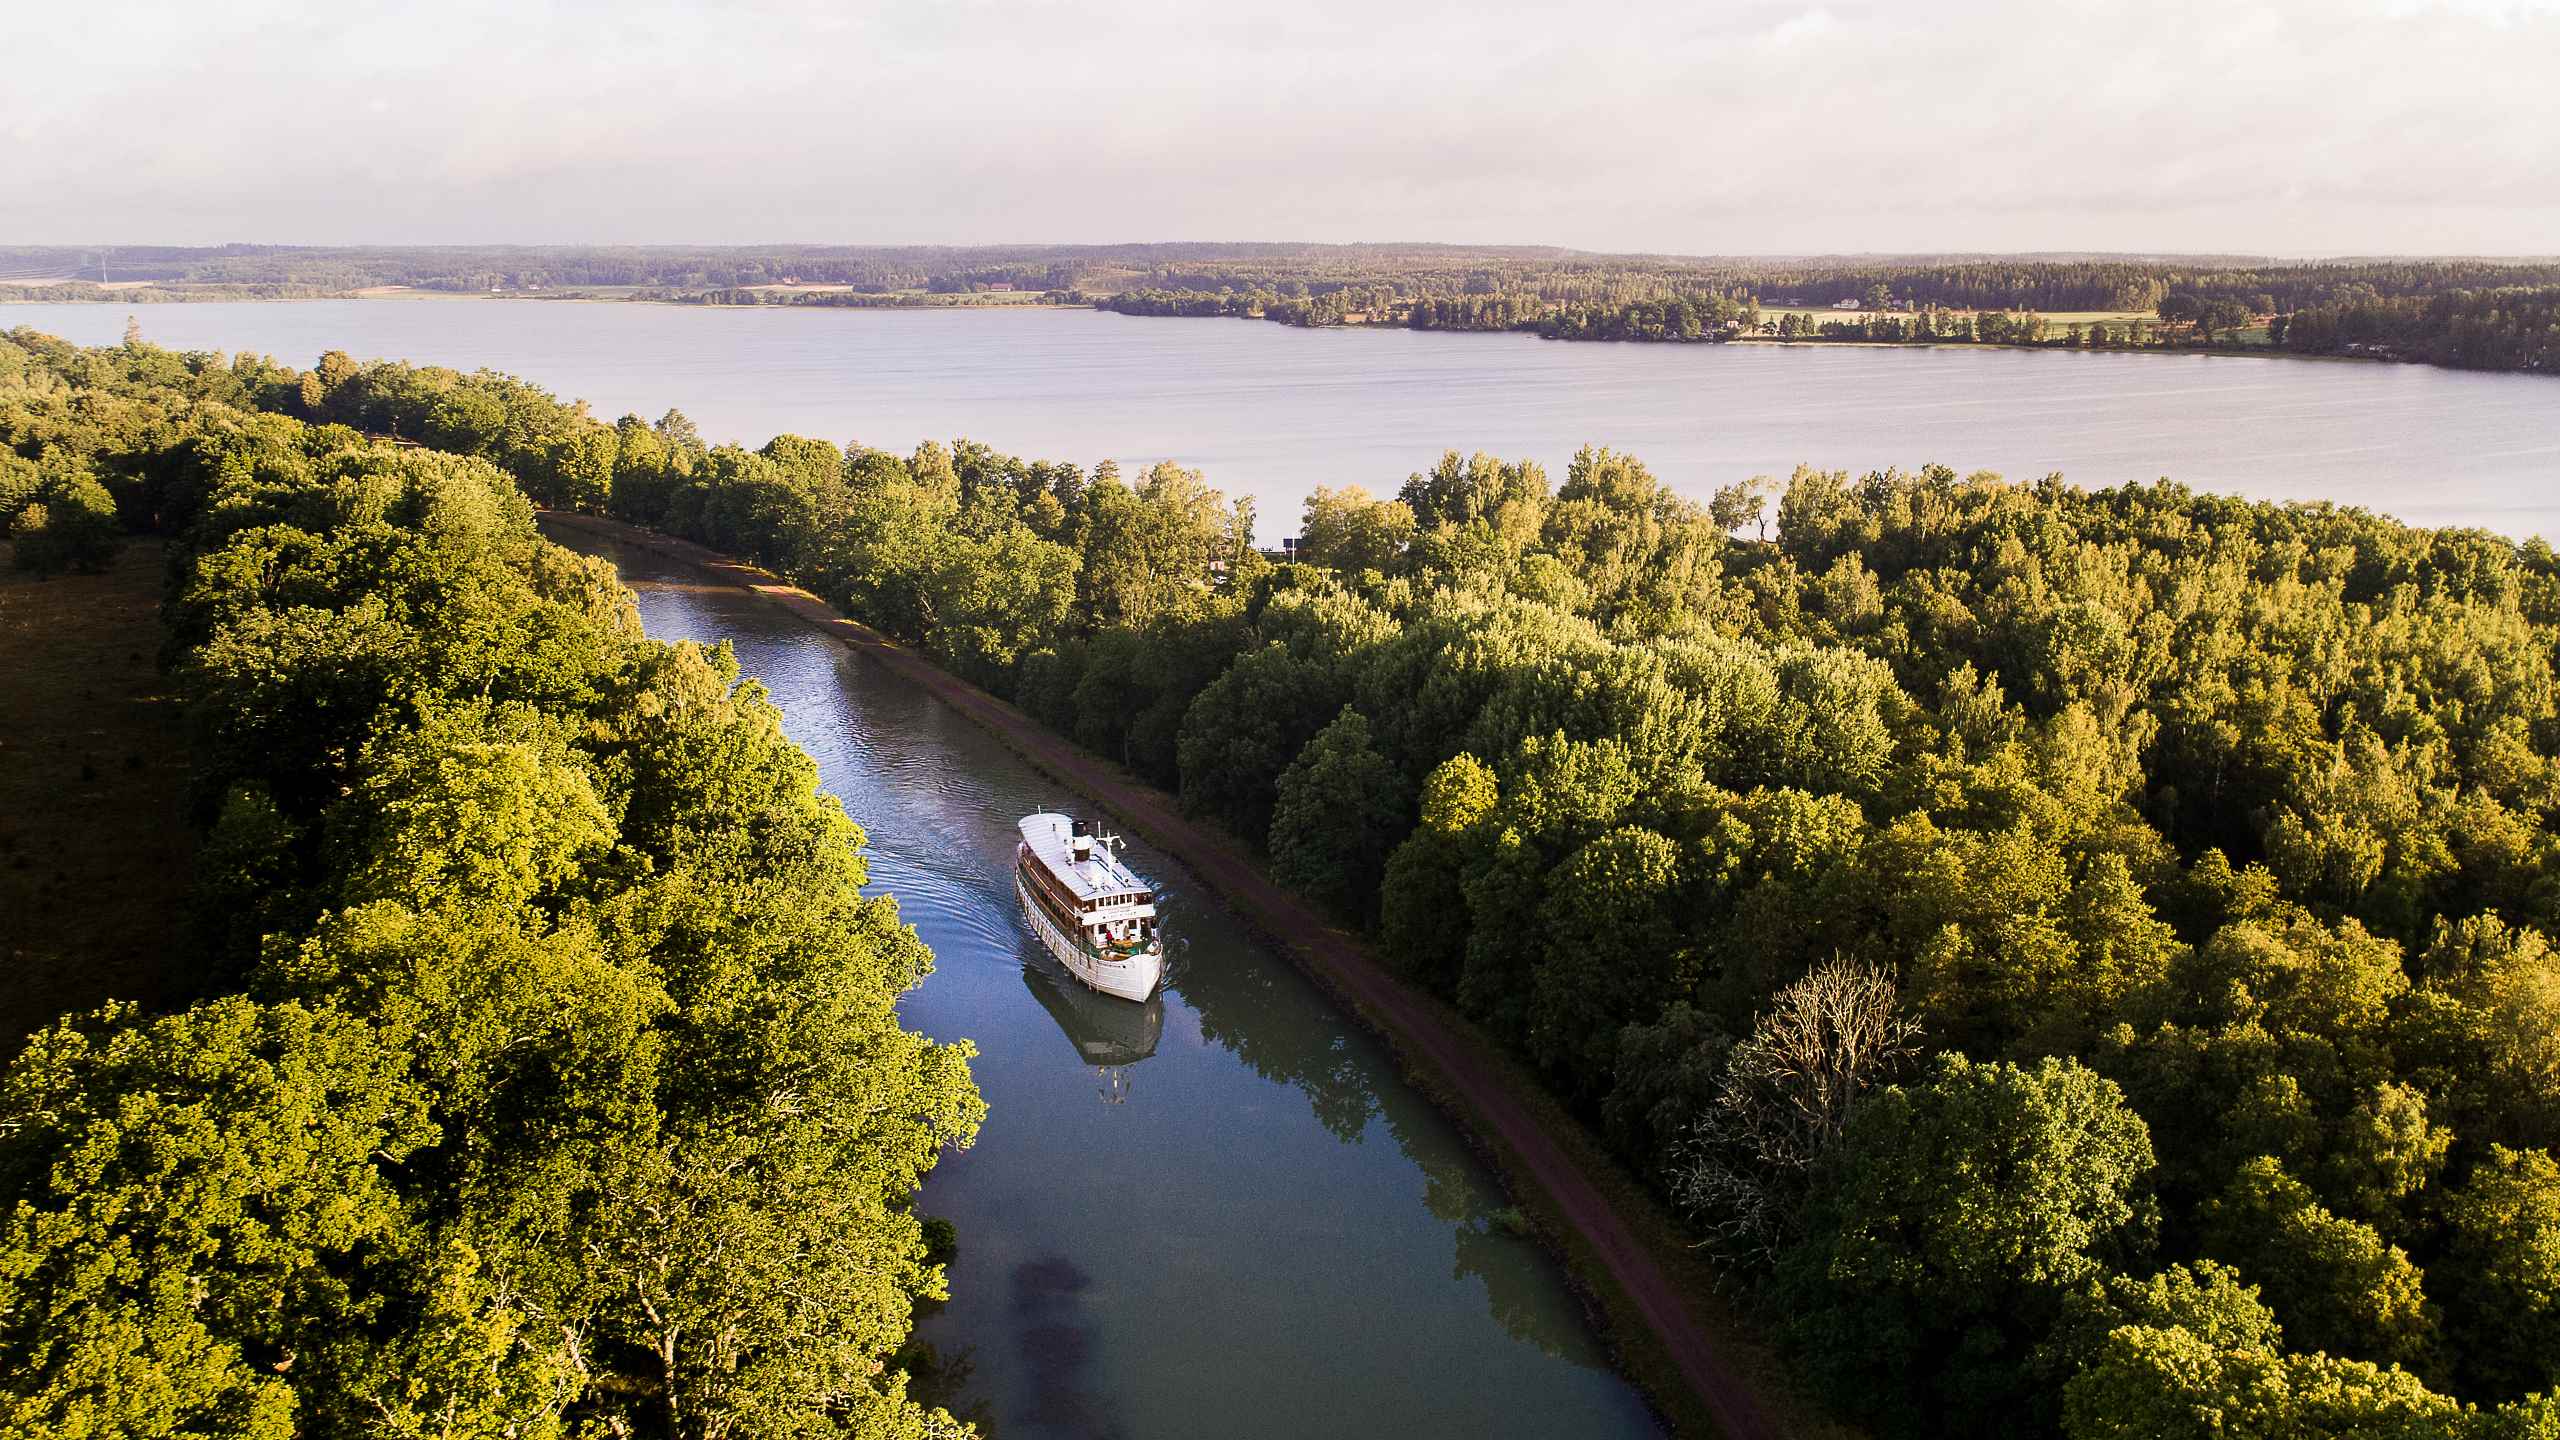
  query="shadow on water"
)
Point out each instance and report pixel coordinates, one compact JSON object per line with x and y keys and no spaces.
{"x":1221,"y":1238}
{"x":1057,"y":1344}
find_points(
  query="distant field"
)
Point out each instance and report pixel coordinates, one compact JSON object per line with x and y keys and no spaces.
{"x":94,"y":846}
{"x":31,"y":281}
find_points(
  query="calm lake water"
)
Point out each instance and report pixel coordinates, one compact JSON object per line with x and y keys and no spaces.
{"x":1224,"y":1203}
{"x":1273,"y":412}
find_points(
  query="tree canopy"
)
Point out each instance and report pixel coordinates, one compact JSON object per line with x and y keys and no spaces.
{"x":553,"y":1083}
{"x":2081,"y":957}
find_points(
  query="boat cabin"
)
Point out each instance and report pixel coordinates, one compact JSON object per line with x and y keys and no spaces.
{"x":1084,"y":887}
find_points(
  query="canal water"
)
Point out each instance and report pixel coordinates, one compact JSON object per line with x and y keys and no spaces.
{"x":1225,"y":1203}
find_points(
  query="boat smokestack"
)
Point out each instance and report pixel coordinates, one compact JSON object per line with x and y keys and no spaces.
{"x":1080,"y":839}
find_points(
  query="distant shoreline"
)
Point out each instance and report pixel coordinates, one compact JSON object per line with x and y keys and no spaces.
{"x":146,"y":295}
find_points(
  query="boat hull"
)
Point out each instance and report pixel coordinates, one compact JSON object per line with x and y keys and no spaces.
{"x":1126,"y":977}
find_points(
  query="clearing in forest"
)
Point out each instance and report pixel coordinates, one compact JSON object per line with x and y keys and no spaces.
{"x":94,"y":843}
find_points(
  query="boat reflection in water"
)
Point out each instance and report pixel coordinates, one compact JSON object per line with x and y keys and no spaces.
{"x":1109,"y":1035}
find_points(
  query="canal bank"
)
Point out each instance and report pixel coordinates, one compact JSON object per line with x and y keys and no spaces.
{"x":1633,"y":1264}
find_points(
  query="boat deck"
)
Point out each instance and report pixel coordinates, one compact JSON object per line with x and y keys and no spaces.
{"x":1099,"y":878}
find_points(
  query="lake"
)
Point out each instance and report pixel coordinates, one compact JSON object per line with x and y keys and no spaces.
{"x":1223,"y":1211}
{"x":1271,"y":411}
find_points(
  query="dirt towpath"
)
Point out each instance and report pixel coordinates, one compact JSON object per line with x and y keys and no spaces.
{"x":1410,"y":1022}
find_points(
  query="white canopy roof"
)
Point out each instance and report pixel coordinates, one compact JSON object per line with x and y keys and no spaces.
{"x":1099,"y":877}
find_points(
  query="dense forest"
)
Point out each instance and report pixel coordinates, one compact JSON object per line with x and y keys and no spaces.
{"x":2502,"y":329}
{"x":2426,"y":314}
{"x":2081,"y":958}
{"x":547,"y":1079}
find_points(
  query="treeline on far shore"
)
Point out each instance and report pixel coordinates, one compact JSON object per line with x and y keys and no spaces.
{"x":2514,"y":328}
{"x":2082,"y":959}
{"x":2470,"y":313}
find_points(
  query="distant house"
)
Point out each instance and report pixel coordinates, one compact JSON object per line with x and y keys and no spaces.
{"x":1844,"y":304}
{"x":1001,"y":285}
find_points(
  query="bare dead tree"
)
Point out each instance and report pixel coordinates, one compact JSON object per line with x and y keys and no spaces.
{"x":1786,"y":1093}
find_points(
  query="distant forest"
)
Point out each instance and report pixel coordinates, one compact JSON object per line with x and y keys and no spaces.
{"x":2469,"y":313}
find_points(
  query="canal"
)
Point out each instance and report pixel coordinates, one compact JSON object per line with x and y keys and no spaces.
{"x":1225,"y":1203}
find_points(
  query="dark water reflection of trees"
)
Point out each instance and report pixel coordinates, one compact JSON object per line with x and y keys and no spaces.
{"x":1348,"y":1084}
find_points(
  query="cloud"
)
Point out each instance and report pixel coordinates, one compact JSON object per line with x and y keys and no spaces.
{"x":2370,"y":125}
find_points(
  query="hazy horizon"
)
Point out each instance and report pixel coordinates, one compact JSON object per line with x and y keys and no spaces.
{"x":2379,"y":127}
{"x":769,"y":245}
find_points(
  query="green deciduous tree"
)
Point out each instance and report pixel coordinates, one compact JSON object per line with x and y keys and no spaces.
{"x":1340,"y":808}
{"x":2504,"y":1271}
{"x":1946,"y":1226}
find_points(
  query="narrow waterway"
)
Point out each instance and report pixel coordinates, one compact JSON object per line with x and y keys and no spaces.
{"x":1225,"y":1203}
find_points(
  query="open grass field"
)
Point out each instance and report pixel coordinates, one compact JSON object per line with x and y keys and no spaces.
{"x":94,"y":847}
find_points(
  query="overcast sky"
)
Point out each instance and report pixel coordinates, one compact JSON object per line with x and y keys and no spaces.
{"x":2335,"y":126}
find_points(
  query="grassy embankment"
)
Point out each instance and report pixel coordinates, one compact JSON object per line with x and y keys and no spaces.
{"x":94,"y":843}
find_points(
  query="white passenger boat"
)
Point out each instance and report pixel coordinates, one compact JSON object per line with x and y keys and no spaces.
{"x":1092,"y":912}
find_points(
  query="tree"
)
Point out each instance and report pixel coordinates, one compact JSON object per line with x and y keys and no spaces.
{"x":1424,"y":885}
{"x":1247,"y":727}
{"x":1457,"y":493}
{"x":196,"y":1208}
{"x":2154,"y":1383}
{"x":2486,"y":1019}
{"x":1945,"y":1227}
{"x":2208,"y":1300}
{"x":1340,"y":808}
{"x":1668,"y":1072}
{"x":2334,"y":1282}
{"x":2504,"y":1264}
{"x":1785,"y":1095}
{"x":1613,"y":954}
{"x":2220,"y":316}
{"x":992,"y":600}
{"x":71,"y":525}
{"x":1744,"y":502}
{"x":1345,"y":530}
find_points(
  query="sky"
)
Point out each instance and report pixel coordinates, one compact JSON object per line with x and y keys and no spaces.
{"x":2323,"y":128}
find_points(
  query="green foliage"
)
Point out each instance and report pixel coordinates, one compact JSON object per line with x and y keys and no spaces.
{"x":2253,"y":809}
{"x":1946,"y":1227}
{"x":65,"y":520}
{"x":2505,"y":1264}
{"x":1611,"y":931}
{"x":2172,"y":1384}
{"x":567,"y":1092}
{"x":1338,"y":812}
{"x":1345,"y":530}
{"x":2334,"y":1282}
{"x":200,"y":1210}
